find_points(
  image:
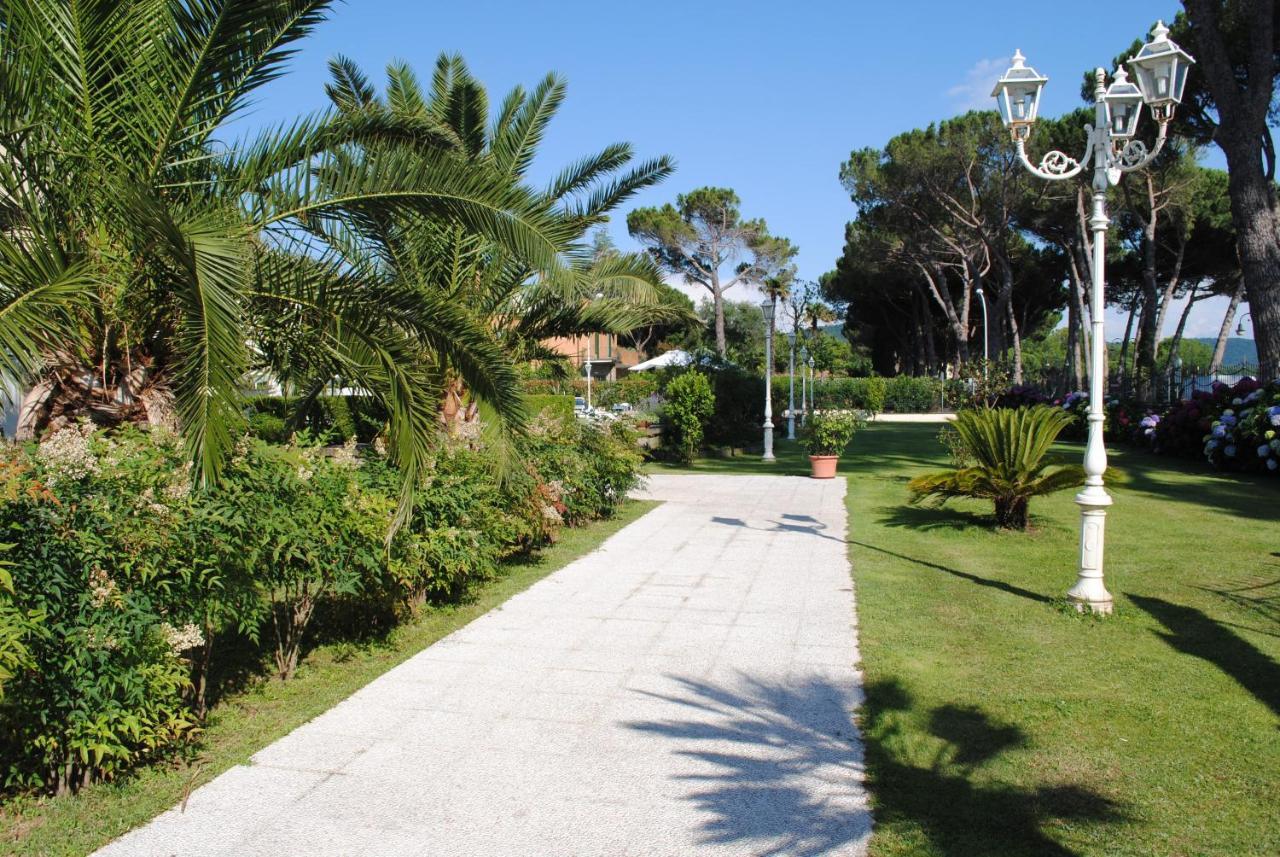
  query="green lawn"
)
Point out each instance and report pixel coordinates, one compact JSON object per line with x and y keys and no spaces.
{"x":270,"y":710}
{"x":999,"y":722}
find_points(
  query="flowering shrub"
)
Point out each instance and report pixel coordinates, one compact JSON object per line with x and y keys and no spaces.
{"x":121,"y":577}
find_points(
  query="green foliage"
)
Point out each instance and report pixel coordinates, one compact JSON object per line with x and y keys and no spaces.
{"x":830,"y":432}
{"x":268,"y":427}
{"x":860,"y":394}
{"x":689,"y":405}
{"x":1008,"y":448}
{"x":907,"y":395}
{"x":123,"y":575}
{"x":635,"y":388}
{"x":553,"y":405}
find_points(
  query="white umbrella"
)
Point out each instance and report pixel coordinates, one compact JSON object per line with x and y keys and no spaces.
{"x":670,"y":358}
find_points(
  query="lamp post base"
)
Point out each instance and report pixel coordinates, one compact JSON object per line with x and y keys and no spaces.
{"x":1089,"y":593}
{"x":768,"y":444}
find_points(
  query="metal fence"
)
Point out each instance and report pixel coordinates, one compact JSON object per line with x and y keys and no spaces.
{"x":1174,"y":385}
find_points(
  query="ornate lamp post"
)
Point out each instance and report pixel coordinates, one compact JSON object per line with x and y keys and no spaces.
{"x":813,"y":388}
{"x":791,"y":389}
{"x":768,"y":307}
{"x":1161,"y":68}
{"x":804,"y":383}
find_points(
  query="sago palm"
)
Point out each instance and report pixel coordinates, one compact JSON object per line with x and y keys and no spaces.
{"x":141,"y":255}
{"x":1010,"y":464}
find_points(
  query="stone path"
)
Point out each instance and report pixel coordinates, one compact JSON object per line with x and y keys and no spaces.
{"x":685,"y":689}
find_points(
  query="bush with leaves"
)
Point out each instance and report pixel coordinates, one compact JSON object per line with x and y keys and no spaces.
{"x":905,"y":394}
{"x":1010,"y":464}
{"x":828,"y":433}
{"x":102,"y":685}
{"x":585,"y":467}
{"x":687,"y":407}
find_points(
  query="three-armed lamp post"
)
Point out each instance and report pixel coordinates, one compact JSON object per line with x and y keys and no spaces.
{"x":1161,"y":69}
{"x":768,"y":307}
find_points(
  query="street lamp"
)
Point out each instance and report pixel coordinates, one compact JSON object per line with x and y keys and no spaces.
{"x":986,"y":338}
{"x":768,"y":307}
{"x":804,"y":383}
{"x":791,"y":389}
{"x":1240,"y":326}
{"x":587,"y":363}
{"x":813,"y":388}
{"x":1161,"y":68}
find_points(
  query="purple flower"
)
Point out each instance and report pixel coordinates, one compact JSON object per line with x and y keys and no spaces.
{"x":1229,"y":450}
{"x":1264,"y":451}
{"x":1219,"y":430}
{"x":1271,"y":464}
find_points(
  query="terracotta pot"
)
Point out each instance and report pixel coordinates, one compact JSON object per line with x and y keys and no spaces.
{"x":824,"y":466}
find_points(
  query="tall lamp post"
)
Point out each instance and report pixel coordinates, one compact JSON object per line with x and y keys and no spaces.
{"x":804,"y":383}
{"x":813,"y":388}
{"x":587,"y":363}
{"x":1161,"y":69}
{"x":986,"y":337}
{"x":791,"y":389}
{"x":768,"y":307}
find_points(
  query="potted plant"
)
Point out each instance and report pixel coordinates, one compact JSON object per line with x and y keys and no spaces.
{"x":825,"y":436}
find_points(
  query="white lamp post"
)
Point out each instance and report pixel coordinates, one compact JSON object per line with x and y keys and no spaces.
{"x":986,"y":338}
{"x":768,"y":307}
{"x":813,"y":388}
{"x":804,"y":383}
{"x":587,"y":362}
{"x":1161,"y":68}
{"x":791,"y":389}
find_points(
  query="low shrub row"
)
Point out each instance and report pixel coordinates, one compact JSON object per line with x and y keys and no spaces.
{"x":1232,"y":426}
{"x":902,"y":394}
{"x":126,"y":588}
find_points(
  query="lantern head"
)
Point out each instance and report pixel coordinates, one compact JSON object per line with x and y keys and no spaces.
{"x":767,"y":307}
{"x":1161,"y":69}
{"x":1017,"y":95}
{"x":1124,"y":103}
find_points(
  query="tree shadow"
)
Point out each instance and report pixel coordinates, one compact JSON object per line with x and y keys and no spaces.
{"x":778,"y":770}
{"x":963,"y":575}
{"x":776,"y":767}
{"x":1241,"y":495}
{"x":1193,"y":633}
{"x":933,"y":781}
{"x":933,"y":518}
{"x":1262,"y":599}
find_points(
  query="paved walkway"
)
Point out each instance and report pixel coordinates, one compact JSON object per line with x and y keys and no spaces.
{"x":685,"y":689}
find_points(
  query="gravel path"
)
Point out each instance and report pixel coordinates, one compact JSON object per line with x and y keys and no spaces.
{"x":685,"y":689}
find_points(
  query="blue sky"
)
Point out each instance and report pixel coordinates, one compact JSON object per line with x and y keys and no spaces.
{"x":765,"y":98}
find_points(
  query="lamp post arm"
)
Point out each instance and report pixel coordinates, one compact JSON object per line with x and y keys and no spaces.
{"x":1134,"y":156}
{"x":1056,"y":166}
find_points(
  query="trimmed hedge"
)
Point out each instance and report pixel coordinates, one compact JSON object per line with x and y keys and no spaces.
{"x":550,"y":405}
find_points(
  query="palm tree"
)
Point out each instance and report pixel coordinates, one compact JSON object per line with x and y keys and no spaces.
{"x":523,"y":305}
{"x":1009,"y":466}
{"x":141,"y":256}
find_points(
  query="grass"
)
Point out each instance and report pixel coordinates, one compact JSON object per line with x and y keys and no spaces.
{"x":1000,"y":722}
{"x":269,"y":710}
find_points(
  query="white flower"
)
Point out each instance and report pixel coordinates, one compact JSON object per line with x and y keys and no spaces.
{"x":101,"y":587}
{"x":66,"y":454}
{"x":346,"y":454}
{"x":182,"y":639}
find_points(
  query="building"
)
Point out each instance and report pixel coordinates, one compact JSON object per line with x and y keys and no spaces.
{"x":607,"y":357}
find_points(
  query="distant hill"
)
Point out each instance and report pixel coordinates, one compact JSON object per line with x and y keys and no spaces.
{"x":1239,"y":350}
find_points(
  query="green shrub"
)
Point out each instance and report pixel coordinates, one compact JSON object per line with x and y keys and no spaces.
{"x":829,"y":433}
{"x":585,"y":467}
{"x":633,"y":388}
{"x":101,"y":684}
{"x":1004,"y":459}
{"x":268,"y":427}
{"x":860,"y":394}
{"x":688,"y":406}
{"x":554,"y":405}
{"x":907,"y":395}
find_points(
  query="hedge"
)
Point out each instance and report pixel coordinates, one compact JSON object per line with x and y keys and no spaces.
{"x":551,"y":405}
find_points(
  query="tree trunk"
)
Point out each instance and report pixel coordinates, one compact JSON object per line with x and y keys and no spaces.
{"x":1242,"y":106}
{"x":1016,"y":340}
{"x":1175,"y":344}
{"x":1220,"y":347}
{"x":1124,"y":346}
{"x":717,"y":296}
{"x":1011,"y":513}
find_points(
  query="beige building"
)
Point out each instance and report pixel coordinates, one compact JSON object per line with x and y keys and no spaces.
{"x":608,"y":359}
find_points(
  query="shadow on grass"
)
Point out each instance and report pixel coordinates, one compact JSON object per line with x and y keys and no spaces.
{"x":963,"y":575}
{"x":1262,"y":599}
{"x":933,"y":518}
{"x":1191,"y":632}
{"x":1195,"y":482}
{"x":928,"y":781}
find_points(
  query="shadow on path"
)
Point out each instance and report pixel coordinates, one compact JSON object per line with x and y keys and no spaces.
{"x":1193,"y":633}
{"x":779,"y":765}
{"x":963,"y":575}
{"x":803,"y":524}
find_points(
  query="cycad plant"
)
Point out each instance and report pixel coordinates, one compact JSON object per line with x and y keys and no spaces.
{"x":1009,"y":462}
{"x":144,"y":257}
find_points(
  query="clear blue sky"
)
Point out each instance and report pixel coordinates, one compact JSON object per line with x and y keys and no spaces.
{"x":766,"y":98}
